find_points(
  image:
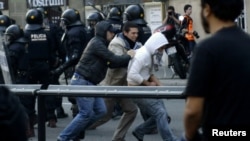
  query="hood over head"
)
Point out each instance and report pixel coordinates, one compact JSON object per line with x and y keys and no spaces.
{"x":102,"y":27}
{"x":155,"y":41}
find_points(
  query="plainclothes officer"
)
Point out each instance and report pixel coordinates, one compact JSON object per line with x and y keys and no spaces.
{"x":74,"y":42}
{"x":135,"y":13}
{"x":41,"y":59}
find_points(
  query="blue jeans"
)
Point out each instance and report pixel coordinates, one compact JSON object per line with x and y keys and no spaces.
{"x":158,"y":115}
{"x":91,"y":109}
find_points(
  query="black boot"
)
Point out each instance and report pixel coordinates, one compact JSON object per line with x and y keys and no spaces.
{"x":60,"y":113}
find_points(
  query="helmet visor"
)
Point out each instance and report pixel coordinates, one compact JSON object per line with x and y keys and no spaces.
{"x":7,"y":39}
{"x":124,"y":18}
{"x":63,"y":24}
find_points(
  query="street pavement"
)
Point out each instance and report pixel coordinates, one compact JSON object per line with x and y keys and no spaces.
{"x":104,"y":133}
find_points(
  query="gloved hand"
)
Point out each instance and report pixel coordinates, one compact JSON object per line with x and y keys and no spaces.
{"x":56,"y":72}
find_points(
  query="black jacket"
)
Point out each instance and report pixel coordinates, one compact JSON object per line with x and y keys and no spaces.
{"x":96,"y":58}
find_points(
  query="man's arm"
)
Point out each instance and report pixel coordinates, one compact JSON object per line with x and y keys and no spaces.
{"x":176,"y":20}
{"x":153,"y":78}
{"x":193,"y":115}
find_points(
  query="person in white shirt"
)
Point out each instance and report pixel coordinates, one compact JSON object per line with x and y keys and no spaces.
{"x":140,"y":73}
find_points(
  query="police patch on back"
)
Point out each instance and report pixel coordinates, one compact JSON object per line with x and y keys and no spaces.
{"x":38,"y":37}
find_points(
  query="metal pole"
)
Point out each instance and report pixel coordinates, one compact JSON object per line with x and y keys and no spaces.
{"x":41,"y":118}
{"x":245,"y":16}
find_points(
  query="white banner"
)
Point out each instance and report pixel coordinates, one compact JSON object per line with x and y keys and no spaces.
{"x":45,"y":3}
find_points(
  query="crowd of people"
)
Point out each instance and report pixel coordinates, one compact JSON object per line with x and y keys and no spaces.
{"x":120,"y":50}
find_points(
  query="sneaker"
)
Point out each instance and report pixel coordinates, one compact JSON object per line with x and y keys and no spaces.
{"x":60,"y":113}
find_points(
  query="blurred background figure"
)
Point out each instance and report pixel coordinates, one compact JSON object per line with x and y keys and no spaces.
{"x":13,"y":118}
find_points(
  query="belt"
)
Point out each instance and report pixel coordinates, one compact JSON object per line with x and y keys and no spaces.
{"x":78,"y":76}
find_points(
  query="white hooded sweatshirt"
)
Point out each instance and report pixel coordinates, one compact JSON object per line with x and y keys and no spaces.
{"x":141,"y":66}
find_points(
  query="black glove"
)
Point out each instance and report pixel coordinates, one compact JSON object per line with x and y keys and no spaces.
{"x":57,"y":72}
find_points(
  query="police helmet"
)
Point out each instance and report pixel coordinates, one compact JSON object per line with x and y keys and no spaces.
{"x":44,"y":12}
{"x":14,"y":33}
{"x":95,"y":16}
{"x":4,"y":22}
{"x":168,"y":30}
{"x":71,"y":17}
{"x":134,"y":13}
{"x":115,"y":13}
{"x":34,"y":19}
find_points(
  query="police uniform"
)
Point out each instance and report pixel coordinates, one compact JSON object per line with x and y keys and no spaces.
{"x":41,"y":59}
{"x":144,"y":33}
{"x":117,"y":24}
{"x":92,"y":19}
{"x":115,"y":18}
{"x":74,"y":41}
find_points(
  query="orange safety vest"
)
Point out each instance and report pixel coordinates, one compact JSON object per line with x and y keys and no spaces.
{"x":189,"y":36}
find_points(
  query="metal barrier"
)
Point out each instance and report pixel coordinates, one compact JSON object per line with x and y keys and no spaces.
{"x":168,"y":92}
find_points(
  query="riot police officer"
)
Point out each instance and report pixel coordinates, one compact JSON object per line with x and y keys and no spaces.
{"x":92,"y":19}
{"x":5,"y":22}
{"x":135,"y":13}
{"x":41,"y":59}
{"x":17,"y":47}
{"x":74,"y":42}
{"x":115,"y":18}
{"x":59,"y":54}
{"x":17,"y":50}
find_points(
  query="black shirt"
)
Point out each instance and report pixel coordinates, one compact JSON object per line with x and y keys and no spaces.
{"x":220,"y":72}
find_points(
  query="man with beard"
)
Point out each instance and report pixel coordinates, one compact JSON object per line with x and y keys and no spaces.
{"x":217,"y":90}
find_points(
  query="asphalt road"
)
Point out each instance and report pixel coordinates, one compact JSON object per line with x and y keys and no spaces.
{"x":104,"y":133}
